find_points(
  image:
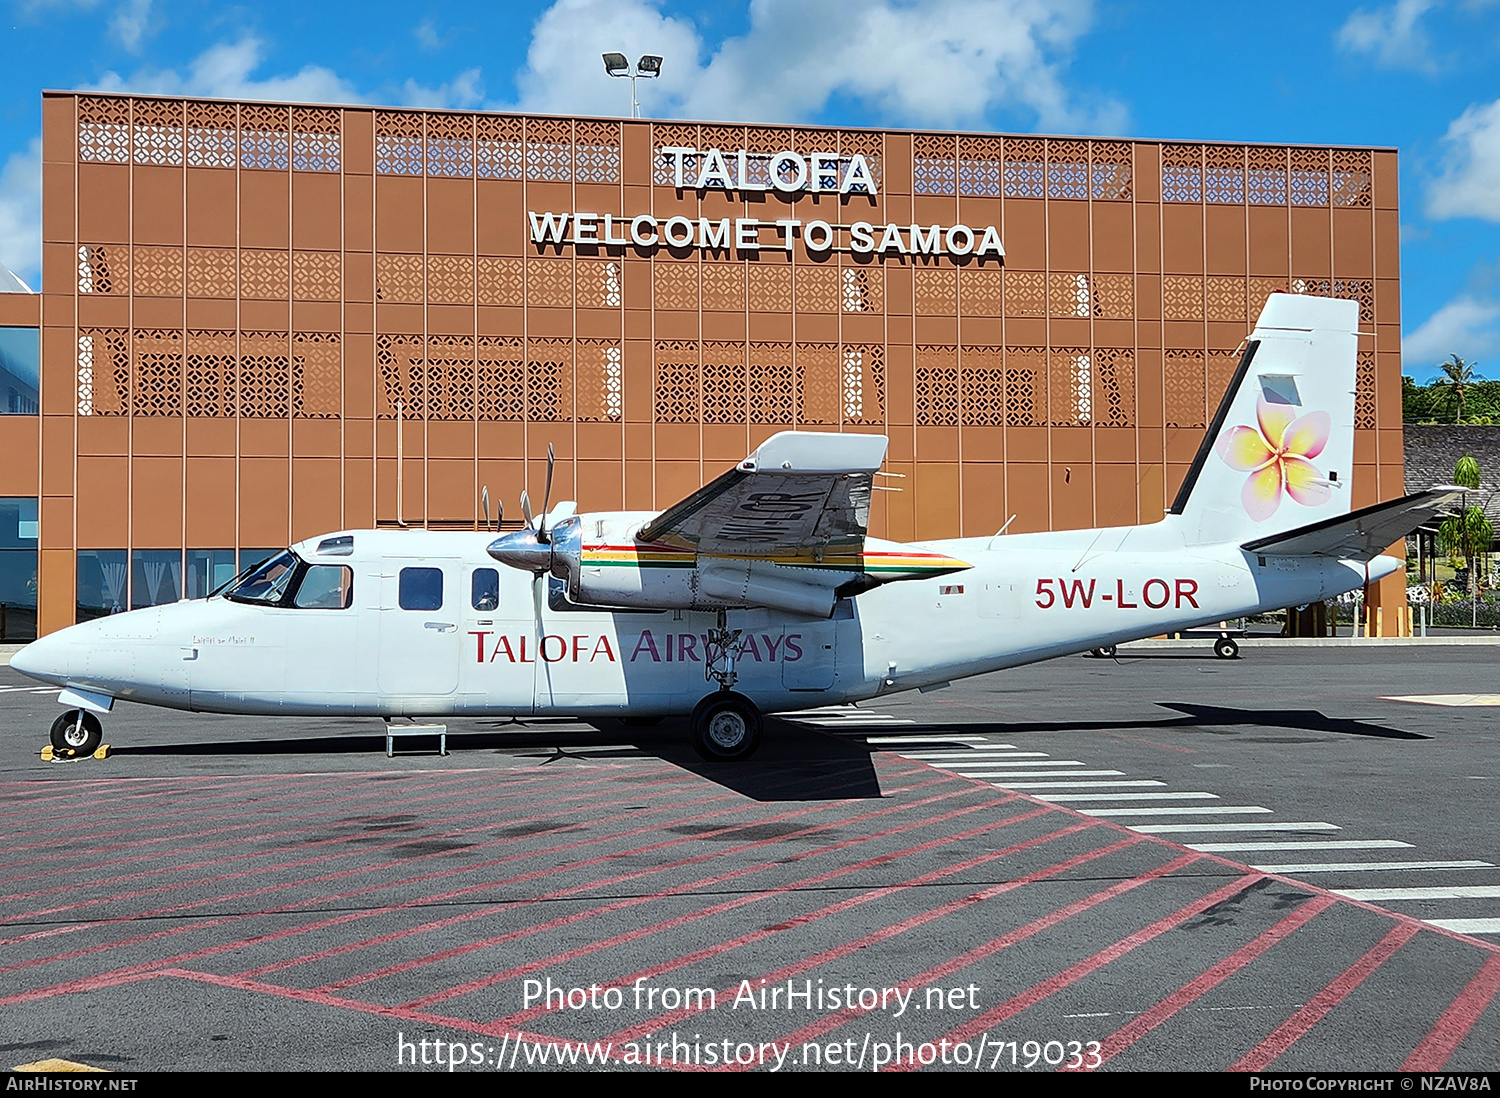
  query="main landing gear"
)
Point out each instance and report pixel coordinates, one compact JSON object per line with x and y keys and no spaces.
{"x":76,"y":733}
{"x":725,"y":727}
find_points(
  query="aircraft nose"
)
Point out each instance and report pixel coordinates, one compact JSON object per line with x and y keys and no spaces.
{"x":42,"y":659}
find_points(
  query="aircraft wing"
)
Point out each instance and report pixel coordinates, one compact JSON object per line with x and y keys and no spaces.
{"x":1364,"y":534}
{"x":800,"y":492}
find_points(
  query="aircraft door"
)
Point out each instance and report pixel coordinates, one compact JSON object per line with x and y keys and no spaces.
{"x":421,"y":609}
{"x":808,"y":660}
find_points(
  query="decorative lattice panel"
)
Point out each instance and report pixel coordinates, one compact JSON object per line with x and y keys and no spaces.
{"x":981,"y":166}
{"x":316,"y":134}
{"x":401,"y":362}
{"x":549,"y":281}
{"x":599,"y":283}
{"x":1067,"y":169}
{"x":157,"y":272}
{"x":212,"y":135}
{"x":724,"y":138}
{"x":937,"y":393}
{"x":1182,"y":173}
{"x":1114,"y":386}
{"x":1224,"y":174}
{"x":1259,"y":289}
{"x":663,"y":166}
{"x":1182,"y":297}
{"x":724,"y":286}
{"x":499,"y":151}
{"x":317,"y":276}
{"x":1361,"y":290}
{"x":1265,"y":177}
{"x":1114,"y":296}
{"x":723,"y":382}
{"x":549,"y":380}
{"x":1364,"y":390}
{"x":1025,"y":293}
{"x":1221,"y":366}
{"x":1183,"y":377}
{"x":103,"y":131}
{"x":1070,"y":372}
{"x":817,"y":288}
{"x":265,"y":375}
{"x":818,"y":383}
{"x":263,"y":275}
{"x":398,"y":143}
{"x":1225,"y":298}
{"x":211,"y":371}
{"x":501,"y":366}
{"x":934,"y":168}
{"x":677,"y":381}
{"x":675,"y":284}
{"x":1070,"y":294}
{"x":450,"y":279}
{"x":399,"y":278}
{"x":210,"y":272}
{"x":156,"y":372}
{"x":103,"y":372}
{"x":157,"y":132}
{"x":1025,"y":168}
{"x":1318,"y":287}
{"x":1110,"y":170}
{"x":1307,"y":181}
{"x":105,"y":269}
{"x":862,"y":383}
{"x":769,"y":289}
{"x":450,"y":145}
{"x":265,"y":138}
{"x":773,"y":383}
{"x":1025,"y":387}
{"x":862,"y":289}
{"x":601,"y":380}
{"x":982,"y":291}
{"x":317,"y":375}
{"x":869,"y":145}
{"x":1352,"y":178}
{"x":982,"y":380}
{"x":500,"y":281}
{"x":596,"y":152}
{"x":450,"y":377}
{"x":935,"y":290}
{"x":549,"y":150}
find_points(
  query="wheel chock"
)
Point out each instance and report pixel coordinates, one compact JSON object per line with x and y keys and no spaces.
{"x":102,"y":752}
{"x":47,"y":753}
{"x":67,"y":754}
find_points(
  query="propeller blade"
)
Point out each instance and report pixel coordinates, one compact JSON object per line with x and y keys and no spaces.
{"x":484,"y":504}
{"x":526,"y":506}
{"x":499,"y":514}
{"x":541,"y":531}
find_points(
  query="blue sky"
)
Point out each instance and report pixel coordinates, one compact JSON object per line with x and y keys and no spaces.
{"x":1420,"y":75}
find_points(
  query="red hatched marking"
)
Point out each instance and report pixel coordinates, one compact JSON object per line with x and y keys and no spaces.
{"x":1433,"y":1050}
{"x":1288,"y":1033}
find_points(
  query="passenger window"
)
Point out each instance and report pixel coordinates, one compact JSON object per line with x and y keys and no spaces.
{"x":421,"y":589}
{"x":485,"y":589}
{"x":326,"y":587}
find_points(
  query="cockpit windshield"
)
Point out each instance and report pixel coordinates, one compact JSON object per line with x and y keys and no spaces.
{"x":266,"y":582}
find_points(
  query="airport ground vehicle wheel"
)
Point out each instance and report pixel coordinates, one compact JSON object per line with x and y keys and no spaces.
{"x":77,"y":732}
{"x":1225,"y":648}
{"x":1107,"y":652}
{"x":725,"y":727}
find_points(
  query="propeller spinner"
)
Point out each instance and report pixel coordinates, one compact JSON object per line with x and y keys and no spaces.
{"x":530,"y":548}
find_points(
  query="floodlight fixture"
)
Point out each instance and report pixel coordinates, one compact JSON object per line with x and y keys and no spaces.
{"x":615,"y":64}
{"x":648,"y":67}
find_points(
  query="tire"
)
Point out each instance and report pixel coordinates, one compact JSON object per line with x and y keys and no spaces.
{"x":1225,"y":648}
{"x":76,"y":732}
{"x":725,"y":727}
{"x":1105,"y":653}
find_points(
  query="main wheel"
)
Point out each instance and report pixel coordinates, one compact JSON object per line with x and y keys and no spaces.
{"x":725,"y":727}
{"x":76,"y":732}
{"x":1225,"y":648}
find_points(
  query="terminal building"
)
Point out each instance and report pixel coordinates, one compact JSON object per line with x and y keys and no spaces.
{"x":259,"y":322}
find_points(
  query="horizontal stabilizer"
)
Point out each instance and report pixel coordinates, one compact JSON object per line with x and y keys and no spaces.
{"x":1364,"y":534}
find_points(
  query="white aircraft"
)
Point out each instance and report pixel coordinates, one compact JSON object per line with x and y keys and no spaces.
{"x":761,"y":592}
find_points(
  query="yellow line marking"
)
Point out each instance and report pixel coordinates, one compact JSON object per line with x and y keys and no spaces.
{"x":57,"y":1065}
{"x":1447,"y":699}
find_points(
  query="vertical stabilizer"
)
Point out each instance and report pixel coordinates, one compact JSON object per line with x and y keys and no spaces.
{"x":1279,"y":453}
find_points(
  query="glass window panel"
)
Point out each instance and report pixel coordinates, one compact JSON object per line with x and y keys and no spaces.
{"x":155,"y":577}
{"x":207,"y":571}
{"x":17,"y":522}
{"x":267,"y":580}
{"x":421,"y":589}
{"x":101,"y":582}
{"x":20,"y":357}
{"x":325,"y":587}
{"x":249,"y":558}
{"x":485,"y":589}
{"x":17,"y":595}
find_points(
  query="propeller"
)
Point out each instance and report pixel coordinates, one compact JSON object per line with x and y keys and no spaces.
{"x":530,"y":548}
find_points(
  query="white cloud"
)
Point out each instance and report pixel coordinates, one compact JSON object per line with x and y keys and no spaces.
{"x":1470,"y":183}
{"x":427,"y":36}
{"x":464,"y":90}
{"x":21,"y":212}
{"x":1467,"y":326}
{"x":131,"y":22}
{"x":945,"y":62}
{"x":1391,"y":34}
{"x":227,"y":71}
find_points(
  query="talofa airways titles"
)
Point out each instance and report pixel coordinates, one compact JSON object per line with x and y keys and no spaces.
{"x":658,"y":648}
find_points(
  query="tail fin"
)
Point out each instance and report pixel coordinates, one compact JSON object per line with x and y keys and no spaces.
{"x":1280,"y":452}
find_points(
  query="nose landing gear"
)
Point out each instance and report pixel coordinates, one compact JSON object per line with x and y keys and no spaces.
{"x":76,"y":733}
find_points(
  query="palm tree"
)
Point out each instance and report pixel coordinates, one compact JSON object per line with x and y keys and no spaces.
{"x":1456,"y":378}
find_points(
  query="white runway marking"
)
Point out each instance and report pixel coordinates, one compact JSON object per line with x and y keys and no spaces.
{"x":1177,"y":829}
{"x":1310,"y":844}
{"x":1081,"y":785}
{"x":1454,"y":892}
{"x":1468,"y":926}
{"x":1366,"y":867}
{"x":978,"y":759}
{"x":978,"y":751}
{"x":876,"y":719}
{"x":933,"y":738}
{"x":1061,"y":797}
{"x":1214,"y":809}
{"x":1044,"y":774}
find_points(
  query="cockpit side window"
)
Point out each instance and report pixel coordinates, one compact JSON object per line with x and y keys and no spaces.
{"x":325,"y":587}
{"x":485,"y":589}
{"x":420,"y":589}
{"x":267,"y":583}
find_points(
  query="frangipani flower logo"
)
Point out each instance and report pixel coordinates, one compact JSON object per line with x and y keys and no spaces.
{"x":1278,"y":457}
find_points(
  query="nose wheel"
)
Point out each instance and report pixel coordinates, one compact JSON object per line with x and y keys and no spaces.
{"x":76,"y":732}
{"x":725,"y":727}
